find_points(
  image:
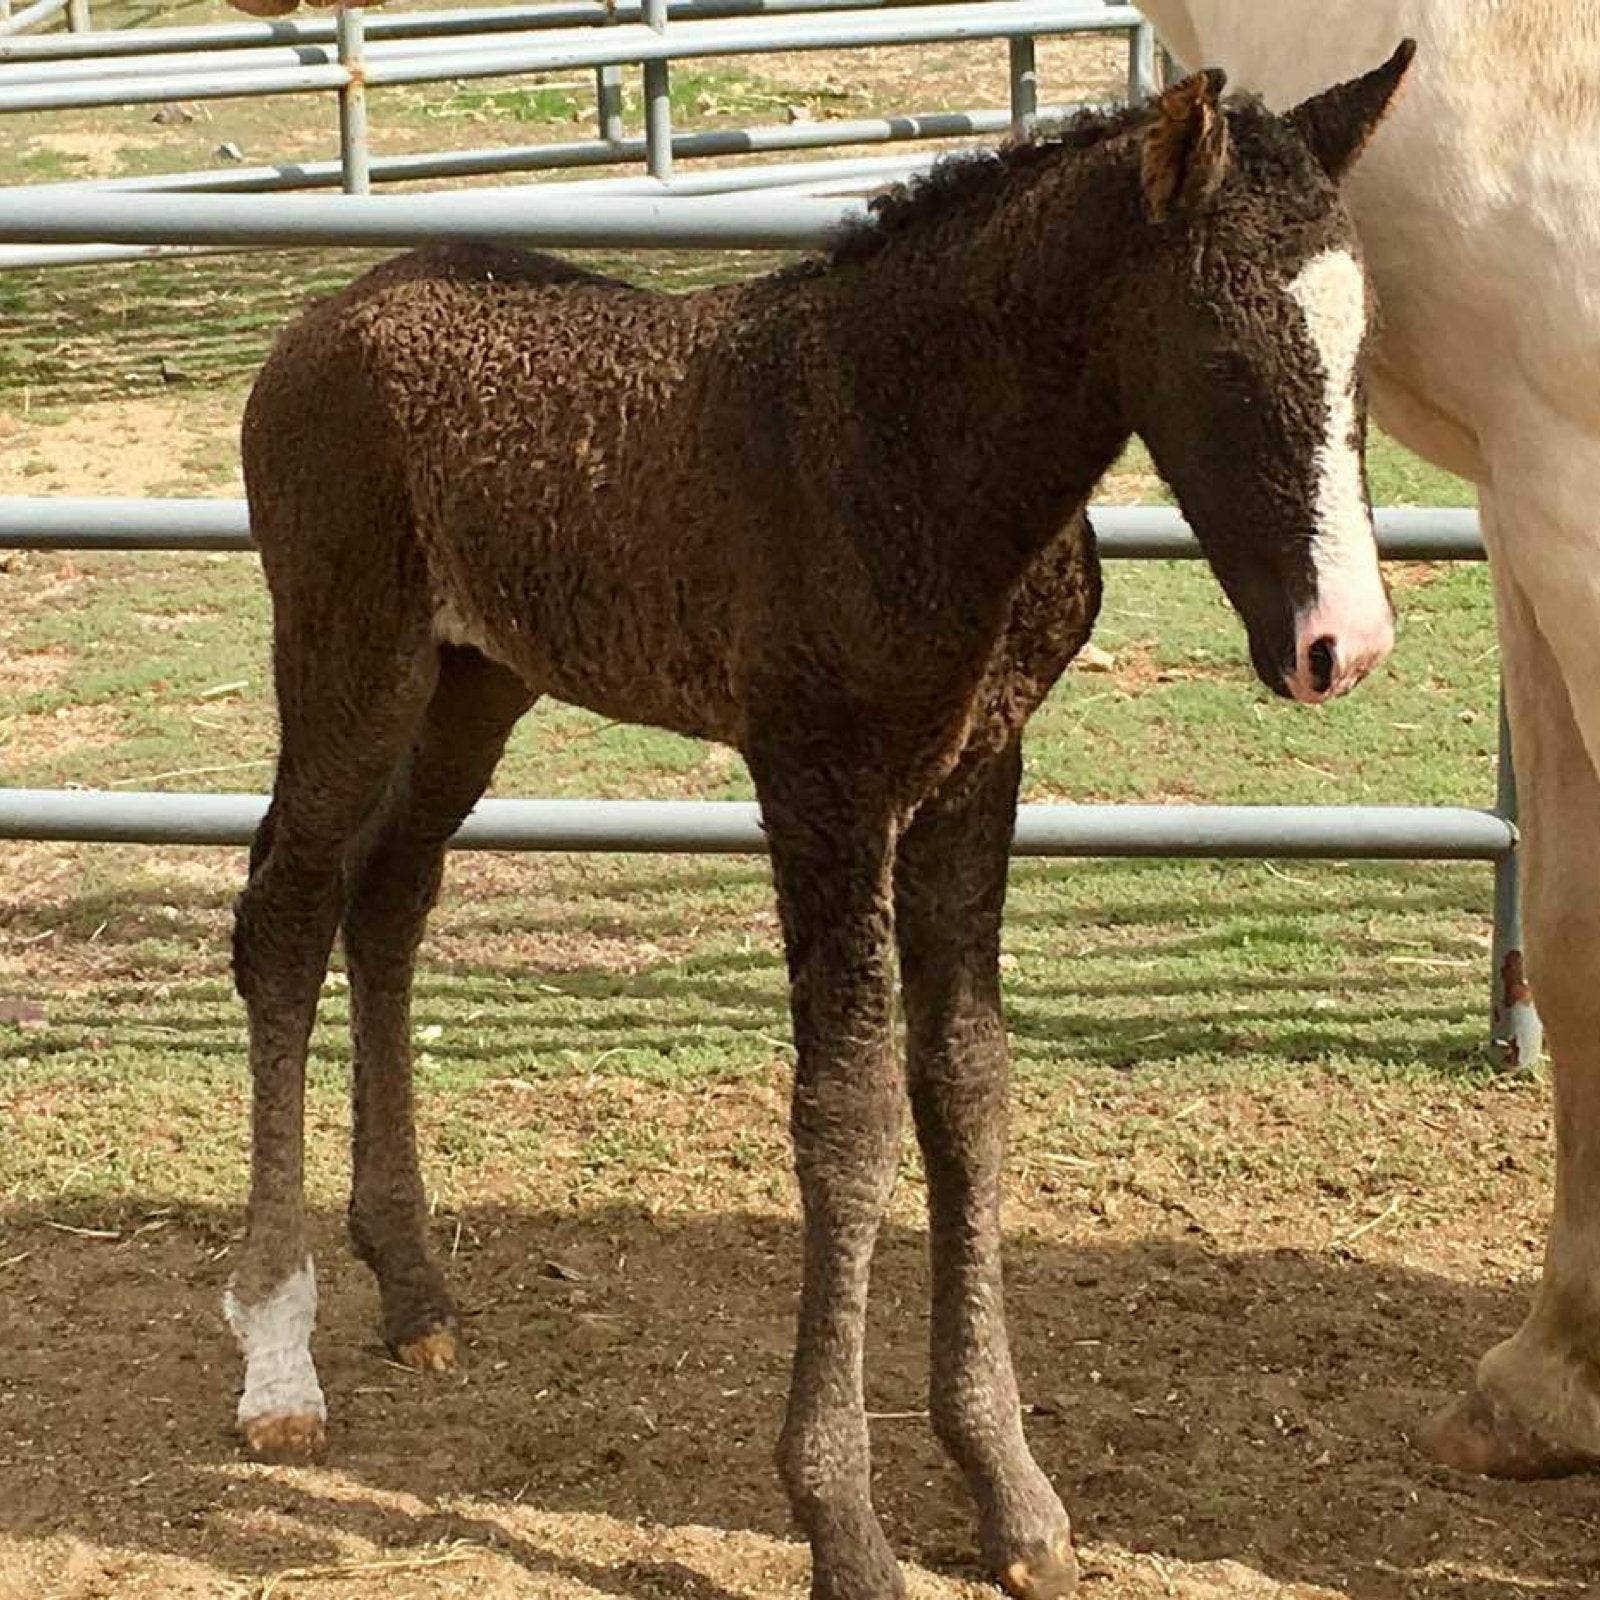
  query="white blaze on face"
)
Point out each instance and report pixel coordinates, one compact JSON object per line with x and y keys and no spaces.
{"x":1351,"y":611}
{"x":275,"y":1336}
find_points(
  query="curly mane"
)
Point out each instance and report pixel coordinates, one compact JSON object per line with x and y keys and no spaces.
{"x":958,"y":178}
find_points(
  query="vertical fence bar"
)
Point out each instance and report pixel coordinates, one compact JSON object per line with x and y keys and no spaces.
{"x":608,"y":102}
{"x":78,"y":18}
{"x":1142,"y":62}
{"x":657,"y":101}
{"x":1024,"y":85}
{"x":1517,"y":1035}
{"x":608,"y":90}
{"x":351,"y":34}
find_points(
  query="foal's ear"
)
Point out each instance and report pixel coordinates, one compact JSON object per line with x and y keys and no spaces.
{"x":1339,"y":123}
{"x":1187,"y":151}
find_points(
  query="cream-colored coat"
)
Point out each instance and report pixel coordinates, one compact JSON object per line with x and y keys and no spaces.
{"x":1479,"y":206}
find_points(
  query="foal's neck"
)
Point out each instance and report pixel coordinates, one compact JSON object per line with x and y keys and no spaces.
{"x":982,"y":341}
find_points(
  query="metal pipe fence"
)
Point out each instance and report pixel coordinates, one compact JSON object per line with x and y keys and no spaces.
{"x":546,"y":216}
{"x":732,"y":827}
{"x":109,"y":221}
{"x":454,"y":23}
{"x":313,"y":67}
{"x":352,"y":53}
{"x":13,"y":22}
{"x":1134,"y":533}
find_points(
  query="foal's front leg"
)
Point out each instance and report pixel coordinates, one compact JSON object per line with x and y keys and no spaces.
{"x":831,"y":857}
{"x":950,"y":885}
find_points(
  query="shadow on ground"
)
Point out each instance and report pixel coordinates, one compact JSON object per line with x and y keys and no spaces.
{"x":1192,"y":1403}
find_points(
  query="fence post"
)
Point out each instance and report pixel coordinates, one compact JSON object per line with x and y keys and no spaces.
{"x":1142,"y":81}
{"x":657,"y":101}
{"x":608,"y":90}
{"x":608,"y":102}
{"x":1517,"y":1036}
{"x":78,"y":19}
{"x":351,"y":35}
{"x":1024,"y":85}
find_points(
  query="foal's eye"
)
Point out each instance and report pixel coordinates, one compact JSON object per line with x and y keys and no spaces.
{"x":1230,"y":367}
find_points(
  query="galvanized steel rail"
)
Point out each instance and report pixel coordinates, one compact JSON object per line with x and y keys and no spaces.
{"x":349,"y":55}
{"x":313,"y":67}
{"x":532,"y":215}
{"x":462,"y":21}
{"x":1124,"y":533}
{"x":109,"y":221}
{"x":13,"y":22}
{"x":1438,"y":833}
{"x":733,"y":827}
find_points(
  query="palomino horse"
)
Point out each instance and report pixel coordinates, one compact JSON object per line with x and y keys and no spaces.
{"x":834,"y":518}
{"x":1479,"y":209}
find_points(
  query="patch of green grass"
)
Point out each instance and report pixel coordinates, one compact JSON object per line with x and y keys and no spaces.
{"x":537,"y":102}
{"x":1126,"y":983}
{"x":1206,"y":977}
{"x":28,"y":163}
{"x":697,"y":95}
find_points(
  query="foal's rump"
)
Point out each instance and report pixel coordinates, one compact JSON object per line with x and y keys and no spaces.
{"x":364,"y":379}
{"x":500,"y":449}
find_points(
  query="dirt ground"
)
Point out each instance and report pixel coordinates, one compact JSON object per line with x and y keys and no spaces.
{"x":113,"y":447}
{"x":1221,"y":1387}
{"x":1222,"y":1379}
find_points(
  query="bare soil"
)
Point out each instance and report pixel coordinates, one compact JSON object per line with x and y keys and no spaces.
{"x":114,"y":447}
{"x":1222,"y":1381}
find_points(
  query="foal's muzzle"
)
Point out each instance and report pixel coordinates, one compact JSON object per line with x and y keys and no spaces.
{"x":1336,"y":645}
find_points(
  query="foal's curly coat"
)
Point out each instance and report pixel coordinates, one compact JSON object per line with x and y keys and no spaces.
{"x":835,"y":518}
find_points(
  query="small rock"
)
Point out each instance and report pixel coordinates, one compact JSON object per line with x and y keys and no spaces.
{"x":1093,"y":659}
{"x":173,"y":112}
{"x":799,"y":113}
{"x":229,"y":151}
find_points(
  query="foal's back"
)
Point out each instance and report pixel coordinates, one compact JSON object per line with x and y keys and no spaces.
{"x":523,"y":449}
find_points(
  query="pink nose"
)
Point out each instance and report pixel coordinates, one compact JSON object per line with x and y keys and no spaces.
{"x":1336,"y":649}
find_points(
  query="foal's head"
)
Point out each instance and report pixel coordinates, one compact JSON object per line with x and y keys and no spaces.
{"x":1247,"y":385}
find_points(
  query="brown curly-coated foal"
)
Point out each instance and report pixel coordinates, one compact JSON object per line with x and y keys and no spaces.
{"x":835,"y":518}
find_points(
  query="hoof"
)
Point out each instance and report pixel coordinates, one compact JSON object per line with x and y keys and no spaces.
{"x":1479,"y":1436}
{"x":434,"y":1351}
{"x":1045,"y":1572}
{"x":291,"y":1440}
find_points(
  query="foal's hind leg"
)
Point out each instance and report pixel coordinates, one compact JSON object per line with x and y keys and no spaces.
{"x":393,"y":882}
{"x":950,"y":885}
{"x":348,"y":698}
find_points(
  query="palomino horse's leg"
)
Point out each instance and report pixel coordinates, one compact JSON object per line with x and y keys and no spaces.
{"x":346,"y":715}
{"x":393,"y":881}
{"x":950,"y":886}
{"x":831,"y":863}
{"x":1535,"y":1410}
